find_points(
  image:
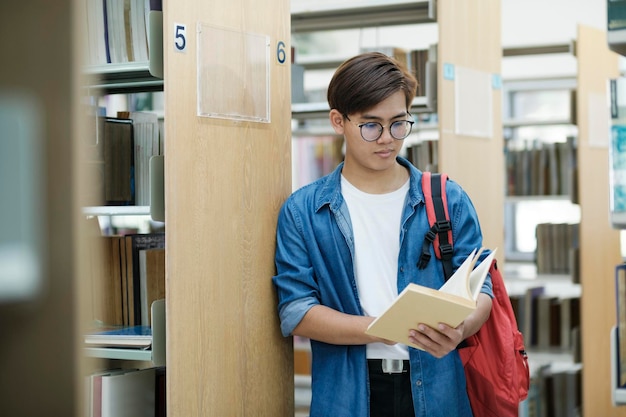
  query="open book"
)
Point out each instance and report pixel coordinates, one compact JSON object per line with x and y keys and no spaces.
{"x":450,"y":304}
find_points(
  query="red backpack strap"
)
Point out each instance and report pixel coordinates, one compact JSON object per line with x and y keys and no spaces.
{"x":440,"y":233}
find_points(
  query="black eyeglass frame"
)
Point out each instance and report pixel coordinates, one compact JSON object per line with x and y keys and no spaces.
{"x":382,"y":128}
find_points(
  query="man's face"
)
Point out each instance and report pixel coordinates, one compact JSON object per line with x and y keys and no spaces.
{"x":379,"y":154}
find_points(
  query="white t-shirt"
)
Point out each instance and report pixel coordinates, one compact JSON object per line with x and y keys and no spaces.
{"x":376,"y":226}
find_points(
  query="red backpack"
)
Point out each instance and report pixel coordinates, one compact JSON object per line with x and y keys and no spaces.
{"x":495,"y":360}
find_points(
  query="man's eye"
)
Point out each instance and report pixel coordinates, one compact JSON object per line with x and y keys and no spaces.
{"x":371,"y":126}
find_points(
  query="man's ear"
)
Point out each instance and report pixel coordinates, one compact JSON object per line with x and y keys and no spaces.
{"x":336,"y":121}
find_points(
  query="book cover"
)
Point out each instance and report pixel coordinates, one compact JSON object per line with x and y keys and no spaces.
{"x":131,"y":336}
{"x":129,"y":394}
{"x":530,"y":315}
{"x":93,"y":391}
{"x":620,"y":302}
{"x":152,"y":280}
{"x":450,"y":304}
{"x":118,"y":162}
{"x":134,"y":244}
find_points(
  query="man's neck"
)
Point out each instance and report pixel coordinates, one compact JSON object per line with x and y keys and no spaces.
{"x":377,"y":182}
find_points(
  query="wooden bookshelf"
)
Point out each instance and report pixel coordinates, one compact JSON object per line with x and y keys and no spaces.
{"x":225,"y":182}
{"x":599,"y":243}
{"x":469,"y":38}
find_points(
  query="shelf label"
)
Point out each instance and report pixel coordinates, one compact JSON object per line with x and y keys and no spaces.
{"x":180,"y":37}
{"x":448,"y":71}
{"x":281,"y":53}
{"x":496,"y":81}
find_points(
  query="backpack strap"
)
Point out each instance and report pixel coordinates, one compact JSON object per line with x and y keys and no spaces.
{"x":440,"y":233}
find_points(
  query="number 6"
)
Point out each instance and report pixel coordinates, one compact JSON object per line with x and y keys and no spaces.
{"x":281,"y":54}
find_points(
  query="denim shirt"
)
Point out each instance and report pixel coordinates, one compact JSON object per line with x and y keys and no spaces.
{"x":314,"y":264}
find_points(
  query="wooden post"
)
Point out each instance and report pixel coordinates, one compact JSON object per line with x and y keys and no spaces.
{"x":469,"y":43}
{"x":225,"y":180}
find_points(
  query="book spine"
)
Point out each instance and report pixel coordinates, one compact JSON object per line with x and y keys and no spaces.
{"x":106,"y":31}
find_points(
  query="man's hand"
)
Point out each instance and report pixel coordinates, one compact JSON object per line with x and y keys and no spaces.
{"x":438,"y":342}
{"x":444,"y":339}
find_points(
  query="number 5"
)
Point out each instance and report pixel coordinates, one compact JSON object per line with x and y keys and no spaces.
{"x":180,"y":37}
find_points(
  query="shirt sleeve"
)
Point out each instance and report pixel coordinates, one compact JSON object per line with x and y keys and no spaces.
{"x":296,"y":287}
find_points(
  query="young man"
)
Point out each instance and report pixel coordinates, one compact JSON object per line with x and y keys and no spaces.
{"x":348,"y":243}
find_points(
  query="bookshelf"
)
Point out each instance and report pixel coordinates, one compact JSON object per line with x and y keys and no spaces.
{"x":225,"y":180}
{"x":600,"y":244}
{"x":475,"y":31}
{"x":97,"y":81}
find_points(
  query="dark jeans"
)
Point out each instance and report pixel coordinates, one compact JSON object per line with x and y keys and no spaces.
{"x":390,"y":394}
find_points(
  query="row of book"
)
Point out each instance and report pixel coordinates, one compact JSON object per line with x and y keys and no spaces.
{"x":555,"y":391}
{"x":424,"y":155}
{"x":126,"y":393}
{"x":558,"y":249}
{"x":314,"y":157}
{"x":127,"y":275}
{"x":548,"y":322}
{"x":118,"y":158}
{"x":422,"y":63}
{"x":542,"y":169}
{"x":117,"y":31}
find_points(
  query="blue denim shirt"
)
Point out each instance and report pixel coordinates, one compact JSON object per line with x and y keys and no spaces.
{"x":314,"y":261}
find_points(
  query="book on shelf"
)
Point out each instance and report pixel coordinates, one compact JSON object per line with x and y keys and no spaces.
{"x":106,"y":264}
{"x":93,"y":391}
{"x":93,"y":157}
{"x":126,"y":392}
{"x":151,"y":280}
{"x":450,"y":304}
{"x":134,"y":244}
{"x":129,"y":394}
{"x":118,"y":142}
{"x":138,"y":337}
{"x":541,"y":168}
{"x":557,"y":245}
{"x":560,"y":386}
{"x":548,"y":324}
{"x":126,"y":275}
{"x":146,"y":143}
{"x":620,"y":303}
{"x":529,"y":325}
{"x":570,"y":321}
{"x":112,"y":276}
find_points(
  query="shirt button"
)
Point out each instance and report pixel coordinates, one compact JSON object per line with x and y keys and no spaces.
{"x":418,"y":382}
{"x":401,"y":269}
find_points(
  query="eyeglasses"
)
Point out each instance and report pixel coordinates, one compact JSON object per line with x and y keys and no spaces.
{"x":372,"y":131}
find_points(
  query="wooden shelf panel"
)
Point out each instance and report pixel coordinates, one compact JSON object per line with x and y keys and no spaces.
{"x":117,"y":211}
{"x":123,"y":354}
{"x":126,"y":78}
{"x":304,"y":111}
{"x":364,"y":14}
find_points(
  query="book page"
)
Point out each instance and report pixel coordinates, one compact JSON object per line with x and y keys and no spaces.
{"x":458,"y":283}
{"x":418,"y":304}
{"x":479,"y":274}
